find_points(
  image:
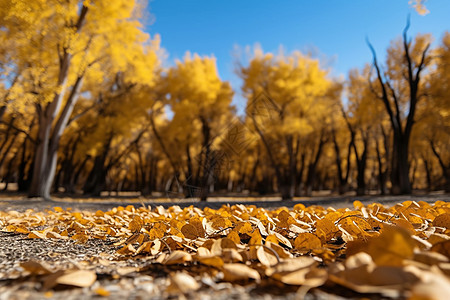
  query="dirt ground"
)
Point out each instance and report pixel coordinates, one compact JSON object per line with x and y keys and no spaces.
{"x":119,"y":278}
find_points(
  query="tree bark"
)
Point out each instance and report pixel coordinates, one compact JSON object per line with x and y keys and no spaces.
{"x":445,"y":168}
{"x":49,"y":135}
{"x":48,"y":141}
{"x":312,"y":167}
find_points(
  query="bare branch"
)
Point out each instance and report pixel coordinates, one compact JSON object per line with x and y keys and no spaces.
{"x":19,"y":130}
{"x":385,"y":97}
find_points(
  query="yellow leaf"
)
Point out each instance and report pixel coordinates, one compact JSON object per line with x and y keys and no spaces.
{"x":405,"y":224}
{"x":255,"y":240}
{"x":58,"y":209}
{"x":22,"y":230}
{"x":134,"y":226}
{"x":392,"y":247}
{"x":155,"y":234}
{"x":246,"y":228}
{"x":213,"y":261}
{"x":80,"y":238}
{"x":307,"y":241}
{"x":102,"y":292}
{"x":234,"y":236}
{"x":358,"y":204}
{"x":36,"y":235}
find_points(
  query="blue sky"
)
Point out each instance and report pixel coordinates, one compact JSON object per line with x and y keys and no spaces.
{"x":334,"y":28}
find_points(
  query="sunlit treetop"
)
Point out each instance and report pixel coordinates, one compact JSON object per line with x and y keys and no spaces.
{"x":420,"y":7}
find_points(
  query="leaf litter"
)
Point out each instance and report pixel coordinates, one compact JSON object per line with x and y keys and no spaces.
{"x":399,"y":251}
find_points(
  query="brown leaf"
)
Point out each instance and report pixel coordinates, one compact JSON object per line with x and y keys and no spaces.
{"x":430,"y":258}
{"x":35,"y":268}
{"x":178,"y":257}
{"x":189,"y":231}
{"x":237,"y":272}
{"x":291,"y":265}
{"x":442,"y":248}
{"x":442,"y":220}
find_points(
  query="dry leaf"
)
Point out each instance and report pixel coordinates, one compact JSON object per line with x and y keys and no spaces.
{"x":237,"y":272}
{"x":442,"y":220}
{"x":102,"y":292}
{"x":35,"y":268}
{"x":307,"y":241}
{"x":266,"y":257}
{"x":77,"y":278}
{"x":178,"y":257}
{"x":181,"y":282}
{"x":189,"y":231}
{"x":394,"y":245}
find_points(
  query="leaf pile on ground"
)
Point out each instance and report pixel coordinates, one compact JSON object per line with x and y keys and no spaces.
{"x":402,"y":250}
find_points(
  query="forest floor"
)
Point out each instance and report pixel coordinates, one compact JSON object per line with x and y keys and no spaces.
{"x":138,"y":278}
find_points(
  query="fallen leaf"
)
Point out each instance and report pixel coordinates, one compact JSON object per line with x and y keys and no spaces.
{"x":189,"y":231}
{"x":237,"y":272}
{"x":35,"y":268}
{"x":181,"y":282}
{"x":307,"y":241}
{"x":102,"y":292}
{"x":177,"y":257}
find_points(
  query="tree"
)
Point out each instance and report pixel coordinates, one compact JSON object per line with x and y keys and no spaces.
{"x":64,"y":42}
{"x":435,"y":112}
{"x":201,"y":104}
{"x":362,"y":117}
{"x":286,"y":98}
{"x":399,"y":87}
{"x":419,"y":6}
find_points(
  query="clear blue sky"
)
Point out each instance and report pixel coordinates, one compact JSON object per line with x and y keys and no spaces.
{"x":336,"y":28}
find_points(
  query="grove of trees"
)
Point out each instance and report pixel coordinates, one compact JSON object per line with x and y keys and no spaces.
{"x":86,"y":106}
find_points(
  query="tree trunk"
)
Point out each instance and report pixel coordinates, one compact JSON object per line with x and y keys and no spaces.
{"x":445,"y":168}
{"x":48,"y":141}
{"x":400,"y":168}
{"x":361,"y":163}
{"x":312,"y":168}
{"x":96,"y":180}
{"x":49,"y":135}
{"x":382,"y":174}
{"x":428,"y":174}
{"x":287,"y":190}
{"x":208,"y":164}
